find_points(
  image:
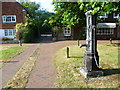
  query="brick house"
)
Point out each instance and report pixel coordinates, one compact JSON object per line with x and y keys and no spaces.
{"x":12,"y":13}
{"x":68,"y":33}
{"x":106,"y":29}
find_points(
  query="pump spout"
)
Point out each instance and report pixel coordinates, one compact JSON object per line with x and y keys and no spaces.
{"x":83,"y":45}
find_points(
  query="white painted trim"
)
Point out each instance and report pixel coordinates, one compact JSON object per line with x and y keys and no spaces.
{"x":9,"y":35}
{"x":66,"y":33}
{"x":105,"y":31}
{"x":114,"y":16}
{"x":4,"y":18}
{"x":106,"y":25}
{"x":103,"y":16}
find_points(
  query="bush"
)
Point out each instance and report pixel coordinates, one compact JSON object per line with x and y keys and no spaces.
{"x":6,"y":39}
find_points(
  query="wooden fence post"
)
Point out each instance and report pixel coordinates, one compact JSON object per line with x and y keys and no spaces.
{"x":67,"y":52}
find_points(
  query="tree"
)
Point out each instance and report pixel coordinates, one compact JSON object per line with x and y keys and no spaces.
{"x":67,"y":14}
{"x":21,"y":28}
{"x":72,"y":13}
{"x":34,"y":21}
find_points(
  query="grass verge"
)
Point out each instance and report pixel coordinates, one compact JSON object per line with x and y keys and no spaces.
{"x":8,"y":52}
{"x":69,"y":77}
{"x":21,"y":77}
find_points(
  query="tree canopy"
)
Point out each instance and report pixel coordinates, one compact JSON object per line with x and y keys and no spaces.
{"x":36,"y":21}
{"x":72,"y":13}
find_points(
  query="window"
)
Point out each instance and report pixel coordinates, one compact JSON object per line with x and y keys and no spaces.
{"x":103,"y":16}
{"x":10,"y":32}
{"x":105,"y":31}
{"x":115,"y":15}
{"x":67,"y":31}
{"x":6,"y":32}
{"x":9,"y":18}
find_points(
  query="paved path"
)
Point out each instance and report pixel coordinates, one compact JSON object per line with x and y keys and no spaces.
{"x":43,"y":75}
{"x":9,"y":70}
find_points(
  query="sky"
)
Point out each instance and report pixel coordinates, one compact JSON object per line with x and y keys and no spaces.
{"x":46,"y":4}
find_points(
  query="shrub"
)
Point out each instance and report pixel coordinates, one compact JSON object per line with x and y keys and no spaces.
{"x":6,"y":39}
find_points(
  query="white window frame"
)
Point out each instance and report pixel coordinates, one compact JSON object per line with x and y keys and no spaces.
{"x":103,"y":16}
{"x":10,"y":32}
{"x":114,"y":15}
{"x":4,"y":19}
{"x":105,"y":31}
{"x":67,"y":31}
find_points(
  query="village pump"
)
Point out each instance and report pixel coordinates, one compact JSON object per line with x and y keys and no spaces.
{"x":91,"y":58}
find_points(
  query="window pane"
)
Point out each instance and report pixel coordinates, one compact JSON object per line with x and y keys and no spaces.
{"x":13,"y":18}
{"x":4,"y":18}
{"x":14,"y":31}
{"x":8,"y":18}
{"x":6,"y":32}
{"x":10,"y":32}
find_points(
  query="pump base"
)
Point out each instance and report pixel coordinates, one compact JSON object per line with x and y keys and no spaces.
{"x":90,"y":74}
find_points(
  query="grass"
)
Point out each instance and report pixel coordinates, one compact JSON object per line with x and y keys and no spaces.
{"x":21,"y":77}
{"x":69,"y":77}
{"x":8,"y":52}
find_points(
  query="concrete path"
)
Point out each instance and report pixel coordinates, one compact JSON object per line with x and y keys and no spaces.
{"x":9,"y":70}
{"x":43,"y":75}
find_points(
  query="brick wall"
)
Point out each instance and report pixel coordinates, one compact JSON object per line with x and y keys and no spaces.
{"x":12,"y":8}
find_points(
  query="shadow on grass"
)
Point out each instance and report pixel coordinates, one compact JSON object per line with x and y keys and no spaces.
{"x":115,"y":44}
{"x":8,"y":61}
{"x":111,"y":71}
{"x":75,"y":57}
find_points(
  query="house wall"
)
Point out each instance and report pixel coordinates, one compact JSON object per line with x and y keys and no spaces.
{"x":110,"y":19}
{"x":60,"y":35}
{"x":75,"y":34}
{"x":11,"y":8}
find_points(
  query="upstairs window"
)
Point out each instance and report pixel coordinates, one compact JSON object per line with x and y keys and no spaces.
{"x":115,"y":15}
{"x":67,"y":31}
{"x":9,"y":18}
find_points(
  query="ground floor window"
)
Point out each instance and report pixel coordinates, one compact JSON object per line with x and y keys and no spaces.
{"x":9,"y":32}
{"x":67,"y":31}
{"x":105,"y":31}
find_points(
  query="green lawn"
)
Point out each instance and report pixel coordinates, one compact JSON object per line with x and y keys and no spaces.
{"x":69,"y":77}
{"x":8,"y":52}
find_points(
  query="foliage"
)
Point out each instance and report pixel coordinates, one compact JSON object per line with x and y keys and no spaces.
{"x":119,"y":20}
{"x":6,"y":39}
{"x":36,"y":21}
{"x":72,"y":13}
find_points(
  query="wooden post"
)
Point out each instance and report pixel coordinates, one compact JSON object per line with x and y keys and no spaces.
{"x":67,"y":52}
{"x":110,"y":40}
{"x":20,"y":42}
